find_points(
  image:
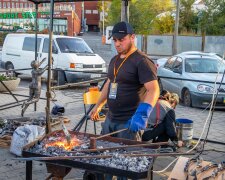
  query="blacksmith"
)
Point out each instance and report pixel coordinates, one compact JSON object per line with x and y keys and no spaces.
{"x":131,"y":89}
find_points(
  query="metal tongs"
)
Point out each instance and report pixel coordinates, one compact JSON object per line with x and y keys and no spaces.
{"x":66,"y":132}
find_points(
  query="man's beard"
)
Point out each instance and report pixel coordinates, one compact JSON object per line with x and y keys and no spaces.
{"x":126,"y":50}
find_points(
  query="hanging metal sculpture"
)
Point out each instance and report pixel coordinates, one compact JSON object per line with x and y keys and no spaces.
{"x":35,"y":85}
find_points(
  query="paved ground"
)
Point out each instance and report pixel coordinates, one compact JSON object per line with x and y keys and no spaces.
{"x":72,"y":101}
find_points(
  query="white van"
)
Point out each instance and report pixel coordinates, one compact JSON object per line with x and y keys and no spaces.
{"x":69,"y":53}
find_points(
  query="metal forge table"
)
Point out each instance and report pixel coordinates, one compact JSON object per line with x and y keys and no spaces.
{"x":65,"y":165}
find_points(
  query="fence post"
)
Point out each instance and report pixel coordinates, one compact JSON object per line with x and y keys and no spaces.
{"x":203,"y":41}
{"x":144,"y":43}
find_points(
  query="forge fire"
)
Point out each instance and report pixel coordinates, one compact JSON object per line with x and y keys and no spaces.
{"x":61,"y":142}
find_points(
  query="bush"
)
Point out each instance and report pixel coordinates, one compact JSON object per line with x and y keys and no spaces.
{"x":6,"y":78}
{"x":2,"y":37}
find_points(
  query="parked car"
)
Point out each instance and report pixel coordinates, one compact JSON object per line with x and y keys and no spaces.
{"x":69,"y":53}
{"x":162,"y":61}
{"x":192,"y":77}
{"x":202,"y":53}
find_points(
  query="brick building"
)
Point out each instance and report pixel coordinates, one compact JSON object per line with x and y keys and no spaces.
{"x":91,"y":15}
{"x":67,"y":16}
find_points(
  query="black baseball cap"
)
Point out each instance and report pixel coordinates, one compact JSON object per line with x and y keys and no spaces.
{"x":121,"y":29}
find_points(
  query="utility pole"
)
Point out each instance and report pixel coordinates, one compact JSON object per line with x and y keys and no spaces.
{"x":103,"y":19}
{"x":176,"y":27}
{"x":124,"y":10}
{"x":103,"y":24}
{"x":83,"y":24}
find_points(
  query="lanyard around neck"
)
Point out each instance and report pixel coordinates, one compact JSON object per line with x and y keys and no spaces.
{"x":117,"y":70}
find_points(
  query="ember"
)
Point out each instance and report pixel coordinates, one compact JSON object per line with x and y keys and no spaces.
{"x":62,"y":142}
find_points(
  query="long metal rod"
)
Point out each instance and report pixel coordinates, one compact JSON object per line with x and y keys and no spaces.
{"x":1,"y":109}
{"x":66,"y":70}
{"x":98,"y":156}
{"x":36,"y":27}
{"x":9,"y":91}
{"x":109,"y":134}
{"x":48,"y":93}
{"x":210,"y":141}
{"x":19,"y":95}
{"x":79,"y":83}
{"x":16,"y":69}
{"x":13,"y":103}
{"x":29,"y":166}
{"x":88,"y":72}
{"x":121,"y":147}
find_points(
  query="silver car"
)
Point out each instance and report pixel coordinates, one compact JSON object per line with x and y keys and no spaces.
{"x":192,"y":77}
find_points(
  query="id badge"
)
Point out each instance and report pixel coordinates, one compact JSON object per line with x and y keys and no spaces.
{"x":113,"y":90}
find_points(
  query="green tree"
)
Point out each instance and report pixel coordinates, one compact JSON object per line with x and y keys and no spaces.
{"x":212,"y":18}
{"x":163,"y":25}
{"x":188,"y":17}
{"x":114,"y":12}
{"x":107,"y":5}
{"x":142,"y":15}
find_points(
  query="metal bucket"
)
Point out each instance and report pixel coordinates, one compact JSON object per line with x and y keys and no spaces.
{"x":184,"y":130}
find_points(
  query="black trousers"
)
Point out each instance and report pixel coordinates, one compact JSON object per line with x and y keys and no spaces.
{"x":157,"y":134}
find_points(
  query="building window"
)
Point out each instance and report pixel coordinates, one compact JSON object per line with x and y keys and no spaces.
{"x":31,"y":5}
{"x":8,"y":4}
{"x":21,"y":5}
{"x":25,"y":5}
{"x":17,"y":5}
{"x":0,"y":4}
{"x":4,"y":5}
{"x":88,"y":11}
{"x":13,"y":5}
{"x":95,"y":11}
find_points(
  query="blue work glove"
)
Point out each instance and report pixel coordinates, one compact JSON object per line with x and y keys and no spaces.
{"x":139,"y":119}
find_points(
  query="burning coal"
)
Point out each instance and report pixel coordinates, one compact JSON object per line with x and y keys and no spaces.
{"x":61,"y":142}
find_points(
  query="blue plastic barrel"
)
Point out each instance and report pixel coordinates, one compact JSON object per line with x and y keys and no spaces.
{"x":184,"y":130}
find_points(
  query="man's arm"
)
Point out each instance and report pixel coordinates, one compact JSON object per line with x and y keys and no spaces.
{"x":139,"y":119}
{"x":152,"y":93}
{"x":104,"y":93}
{"x":102,"y":99}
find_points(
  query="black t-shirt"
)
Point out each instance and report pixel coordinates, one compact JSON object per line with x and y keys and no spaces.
{"x":136,"y":70}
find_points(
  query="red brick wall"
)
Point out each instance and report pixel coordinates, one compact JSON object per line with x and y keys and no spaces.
{"x":92,"y":19}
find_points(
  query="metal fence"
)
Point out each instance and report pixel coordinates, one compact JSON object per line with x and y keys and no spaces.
{"x":160,"y":45}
